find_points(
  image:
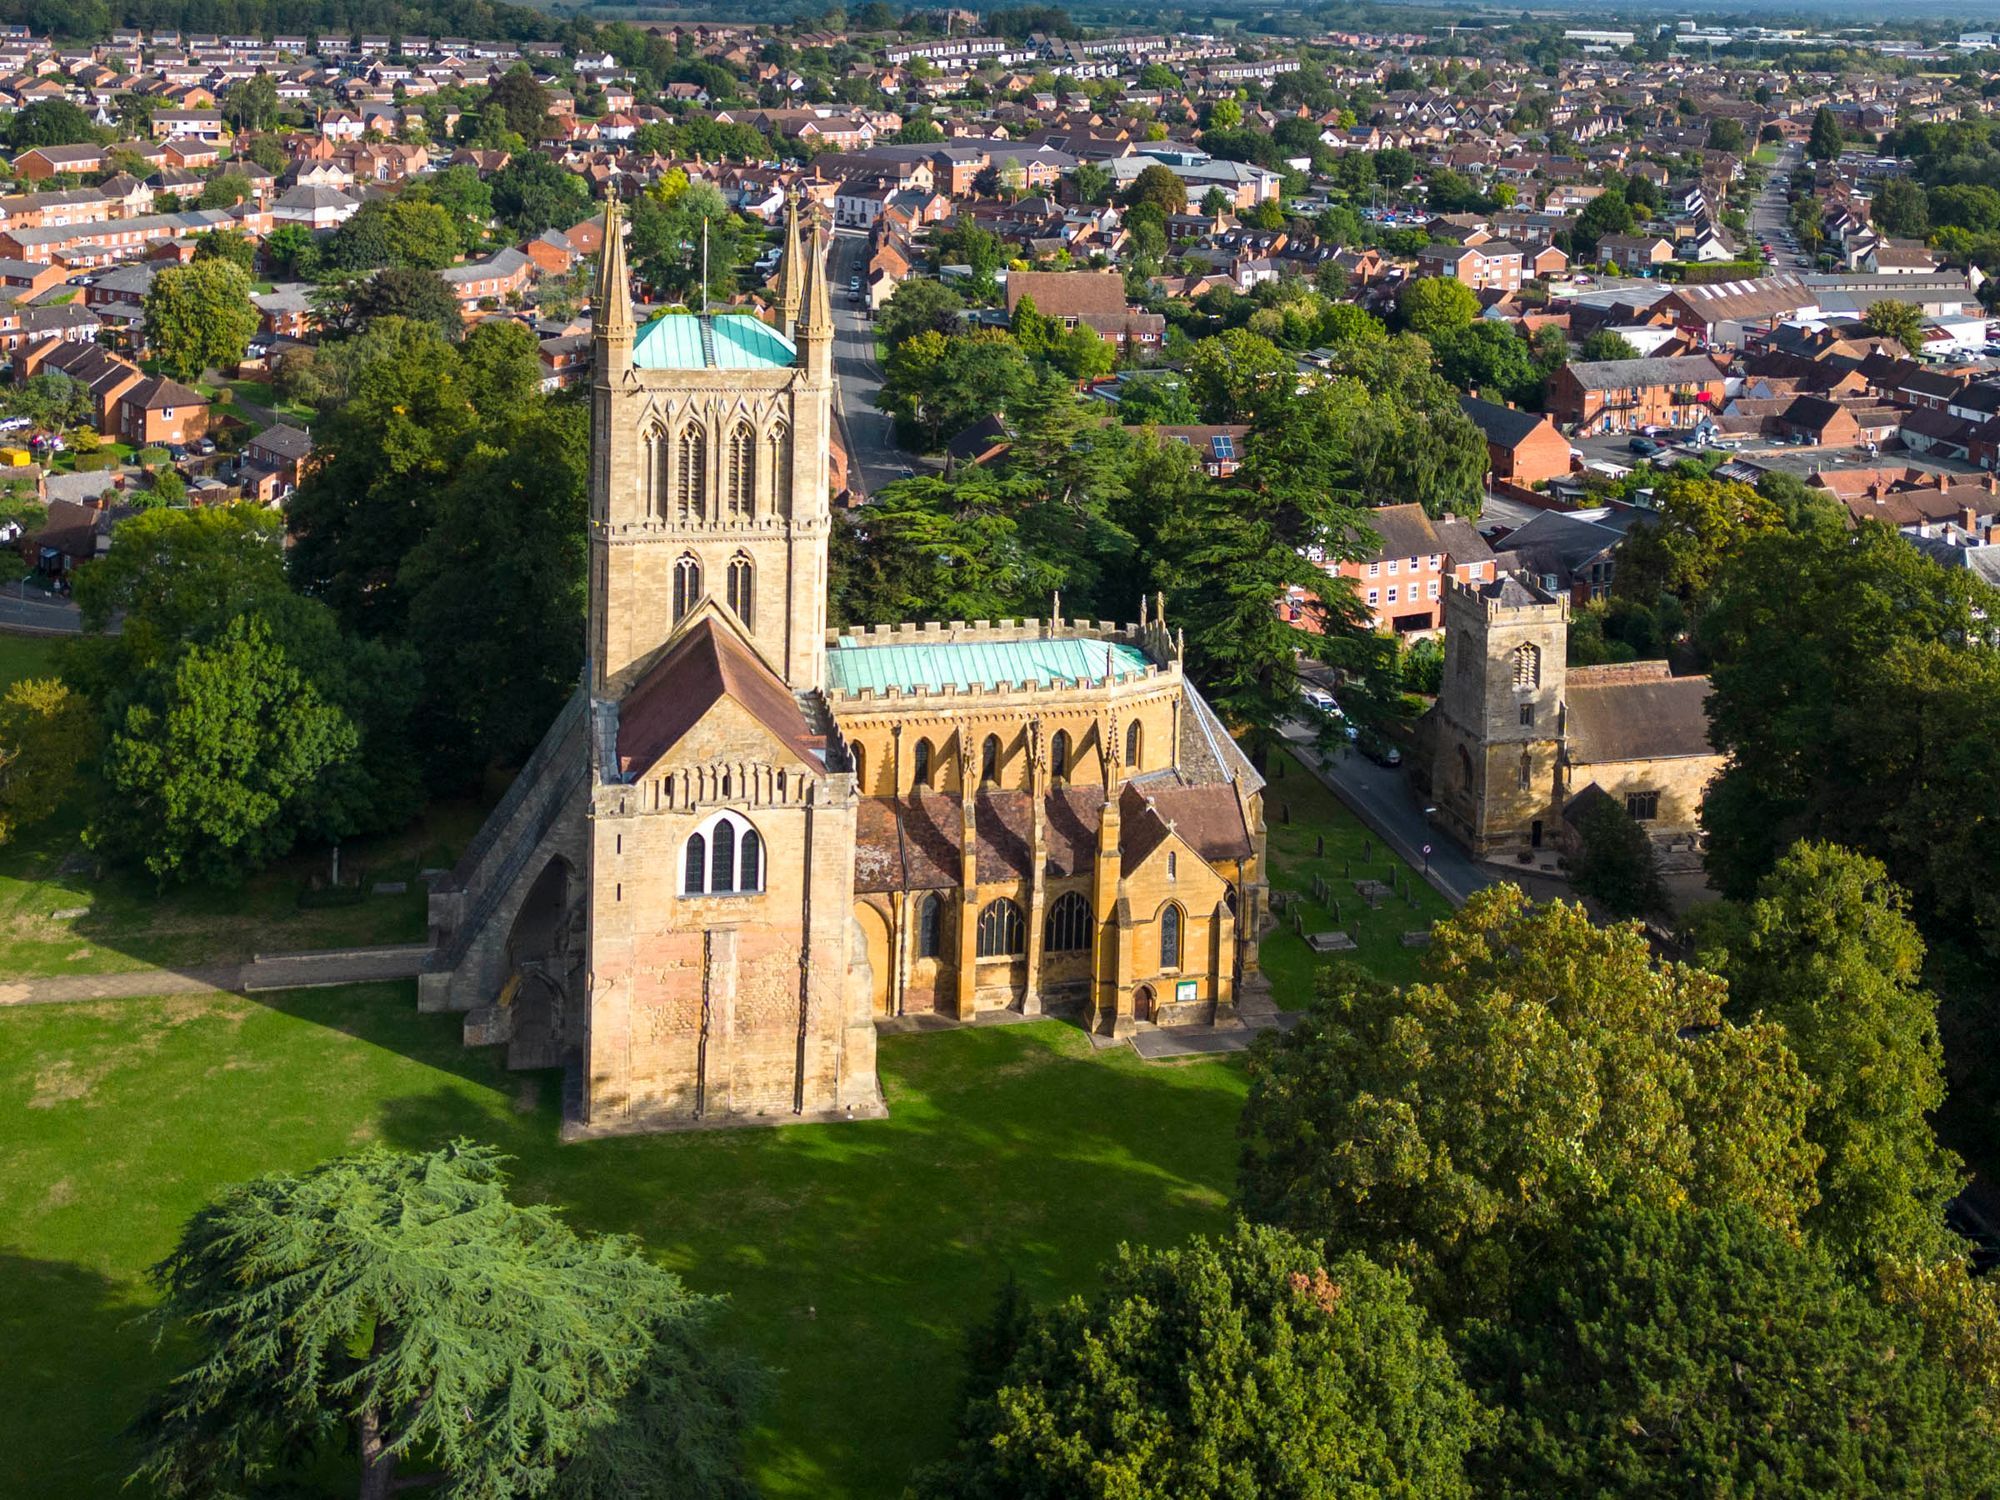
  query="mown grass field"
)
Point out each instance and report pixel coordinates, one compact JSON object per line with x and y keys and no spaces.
{"x":855,"y":1254}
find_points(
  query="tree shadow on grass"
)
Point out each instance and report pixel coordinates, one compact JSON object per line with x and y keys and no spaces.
{"x":857,"y":1254}
{"x":78,"y":1362}
{"x":384,"y":1014}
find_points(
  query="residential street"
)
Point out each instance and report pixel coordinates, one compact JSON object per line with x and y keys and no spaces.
{"x":36,"y":613}
{"x":1768,"y":209}
{"x":873,"y":457}
{"x":1379,"y":798}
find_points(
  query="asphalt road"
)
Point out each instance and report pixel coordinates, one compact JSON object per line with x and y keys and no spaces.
{"x":37,"y":613}
{"x":1378,"y":796}
{"x":873,"y":457}
{"x":1768,"y":208}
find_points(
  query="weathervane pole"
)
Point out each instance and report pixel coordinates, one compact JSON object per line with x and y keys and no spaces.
{"x":704,"y":266}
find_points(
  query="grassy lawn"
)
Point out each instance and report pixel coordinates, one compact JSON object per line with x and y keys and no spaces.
{"x":854,"y":1254}
{"x":263,"y":393}
{"x":1352,"y":853}
{"x":115,"y":920}
{"x":26,"y":656}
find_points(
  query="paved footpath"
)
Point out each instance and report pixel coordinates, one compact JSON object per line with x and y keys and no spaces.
{"x":264,"y":971}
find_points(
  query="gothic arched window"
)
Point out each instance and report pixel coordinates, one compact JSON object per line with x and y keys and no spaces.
{"x":653,"y":477}
{"x":989,"y":761}
{"x":778,"y":453}
{"x":742,"y":590}
{"x":690,"y":476}
{"x":922,"y":761}
{"x":1067,"y":926}
{"x":1002,"y":934}
{"x":687,"y":586}
{"x":1133,"y":743}
{"x":1170,"y":937}
{"x":860,"y":768}
{"x":1527,"y":666}
{"x":723,"y":857}
{"x":929,"y":919}
{"x":742,"y":471}
{"x":1059,"y":757}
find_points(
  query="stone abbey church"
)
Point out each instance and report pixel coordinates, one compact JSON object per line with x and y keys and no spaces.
{"x":747,"y":839}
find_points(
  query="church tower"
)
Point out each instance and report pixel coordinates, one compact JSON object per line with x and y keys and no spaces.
{"x":1499,"y":714}
{"x":708,"y":471}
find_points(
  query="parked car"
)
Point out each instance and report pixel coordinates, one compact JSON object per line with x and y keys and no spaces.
{"x":205,"y":447}
{"x":1644,"y":447}
{"x":1378,"y":748}
{"x":177,"y":451}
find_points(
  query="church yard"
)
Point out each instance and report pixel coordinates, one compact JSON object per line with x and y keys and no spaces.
{"x":853,"y":1255}
{"x":1319,"y":820}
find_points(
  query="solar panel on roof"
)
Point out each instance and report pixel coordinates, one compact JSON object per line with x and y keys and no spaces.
{"x":1225,"y":447}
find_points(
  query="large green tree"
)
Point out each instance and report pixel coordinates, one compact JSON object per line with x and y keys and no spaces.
{"x":669,"y":224}
{"x":1160,"y":187}
{"x":1854,"y":695}
{"x":523,"y":101}
{"x":1696,"y":524}
{"x":351,"y":304}
{"x":49,"y":122}
{"x":394,"y":232}
{"x":466,"y":198}
{"x":1827,"y":951}
{"x":399,"y":1314}
{"x":1825,"y":140}
{"x":1433,"y":307}
{"x":1251,"y":1365}
{"x":198,"y":315}
{"x":496,"y":585}
{"x":216,"y":763}
{"x":47,"y":733}
{"x":919,"y":306}
{"x":532,"y":193}
{"x":182,"y":581}
{"x":412,"y":413}
{"x":936,"y":386}
{"x":1615,"y":864}
{"x":1901,"y":321}
{"x":1543,"y":1065}
{"x":1703,"y":1351}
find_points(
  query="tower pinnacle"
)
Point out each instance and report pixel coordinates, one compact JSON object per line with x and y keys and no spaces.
{"x":611,"y":307}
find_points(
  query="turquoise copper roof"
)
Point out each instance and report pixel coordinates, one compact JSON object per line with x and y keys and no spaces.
{"x":726,"y":341}
{"x":933,"y":666}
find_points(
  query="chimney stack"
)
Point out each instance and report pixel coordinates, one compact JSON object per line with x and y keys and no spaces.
{"x":1968,"y":518}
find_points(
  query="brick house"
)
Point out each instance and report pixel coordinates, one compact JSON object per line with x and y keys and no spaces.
{"x":39,"y":163}
{"x":1635,"y":252}
{"x":158,"y":410}
{"x":1495,"y":263}
{"x":1819,"y":422}
{"x":1091,"y":299}
{"x":1625,"y":395}
{"x":1522,"y":447}
{"x":1400,"y":580}
{"x":275,"y":462}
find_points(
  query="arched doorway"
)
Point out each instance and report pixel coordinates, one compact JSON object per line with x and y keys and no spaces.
{"x":1142,"y":1003}
{"x":544,"y":951}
